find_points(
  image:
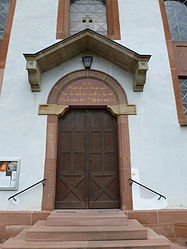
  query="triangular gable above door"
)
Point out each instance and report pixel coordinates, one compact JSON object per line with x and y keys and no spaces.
{"x":86,"y":40}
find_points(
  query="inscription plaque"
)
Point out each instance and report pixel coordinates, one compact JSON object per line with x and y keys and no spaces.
{"x":87,"y":92}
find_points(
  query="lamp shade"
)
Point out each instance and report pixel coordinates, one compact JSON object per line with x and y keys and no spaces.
{"x":87,"y":60}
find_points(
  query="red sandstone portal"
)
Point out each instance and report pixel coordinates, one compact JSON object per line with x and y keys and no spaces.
{"x":87,"y":88}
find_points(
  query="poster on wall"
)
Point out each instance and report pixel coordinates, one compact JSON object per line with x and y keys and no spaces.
{"x":9,"y":174}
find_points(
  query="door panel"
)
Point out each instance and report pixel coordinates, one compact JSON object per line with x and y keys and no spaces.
{"x":87,"y":171}
{"x":70,"y":181}
{"x":71,"y":194}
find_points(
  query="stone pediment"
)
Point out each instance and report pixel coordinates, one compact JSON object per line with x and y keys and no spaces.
{"x":86,"y":40}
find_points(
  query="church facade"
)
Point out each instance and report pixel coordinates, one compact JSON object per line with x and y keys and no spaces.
{"x":93,"y":105}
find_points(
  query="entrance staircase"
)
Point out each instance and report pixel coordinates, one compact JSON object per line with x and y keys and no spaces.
{"x":93,"y":229}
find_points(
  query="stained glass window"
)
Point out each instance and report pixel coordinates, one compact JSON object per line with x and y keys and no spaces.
{"x":177,"y":17}
{"x":183,"y":90}
{"x":4,"y":8}
{"x":88,"y":14}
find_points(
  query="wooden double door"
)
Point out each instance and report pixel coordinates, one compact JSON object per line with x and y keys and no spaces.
{"x":87,"y":168}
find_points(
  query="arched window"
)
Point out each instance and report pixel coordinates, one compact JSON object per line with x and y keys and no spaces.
{"x":4,"y":9}
{"x":183,"y":90}
{"x":177,"y":19}
{"x":101,"y":16}
{"x":88,"y":14}
{"x":6,"y":18}
{"x":174,"y":14}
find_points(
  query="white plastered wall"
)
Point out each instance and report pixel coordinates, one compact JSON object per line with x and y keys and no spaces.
{"x":158,"y":143}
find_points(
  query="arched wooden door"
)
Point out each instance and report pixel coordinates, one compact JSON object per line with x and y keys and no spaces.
{"x":87,"y":168}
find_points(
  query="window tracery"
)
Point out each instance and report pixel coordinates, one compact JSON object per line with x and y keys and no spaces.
{"x":4,"y":9}
{"x":183,"y":90}
{"x":88,"y":14}
{"x":107,"y":25}
{"x":177,"y":19}
{"x":176,"y":11}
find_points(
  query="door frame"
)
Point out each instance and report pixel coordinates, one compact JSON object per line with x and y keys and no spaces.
{"x":48,"y":199}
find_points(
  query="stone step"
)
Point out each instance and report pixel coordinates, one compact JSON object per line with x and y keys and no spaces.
{"x":71,"y":218}
{"x":91,"y":221}
{"x":64,"y":245}
{"x":149,"y":244}
{"x":134,"y":230}
{"x":88,"y":212}
{"x":173,"y":245}
{"x":182,"y":241}
{"x":21,"y":243}
{"x":152,"y":234}
{"x":88,"y":236}
{"x":9,"y":241}
{"x":176,"y":246}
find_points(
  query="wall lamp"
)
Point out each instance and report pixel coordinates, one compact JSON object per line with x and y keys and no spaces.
{"x":87,"y":61}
